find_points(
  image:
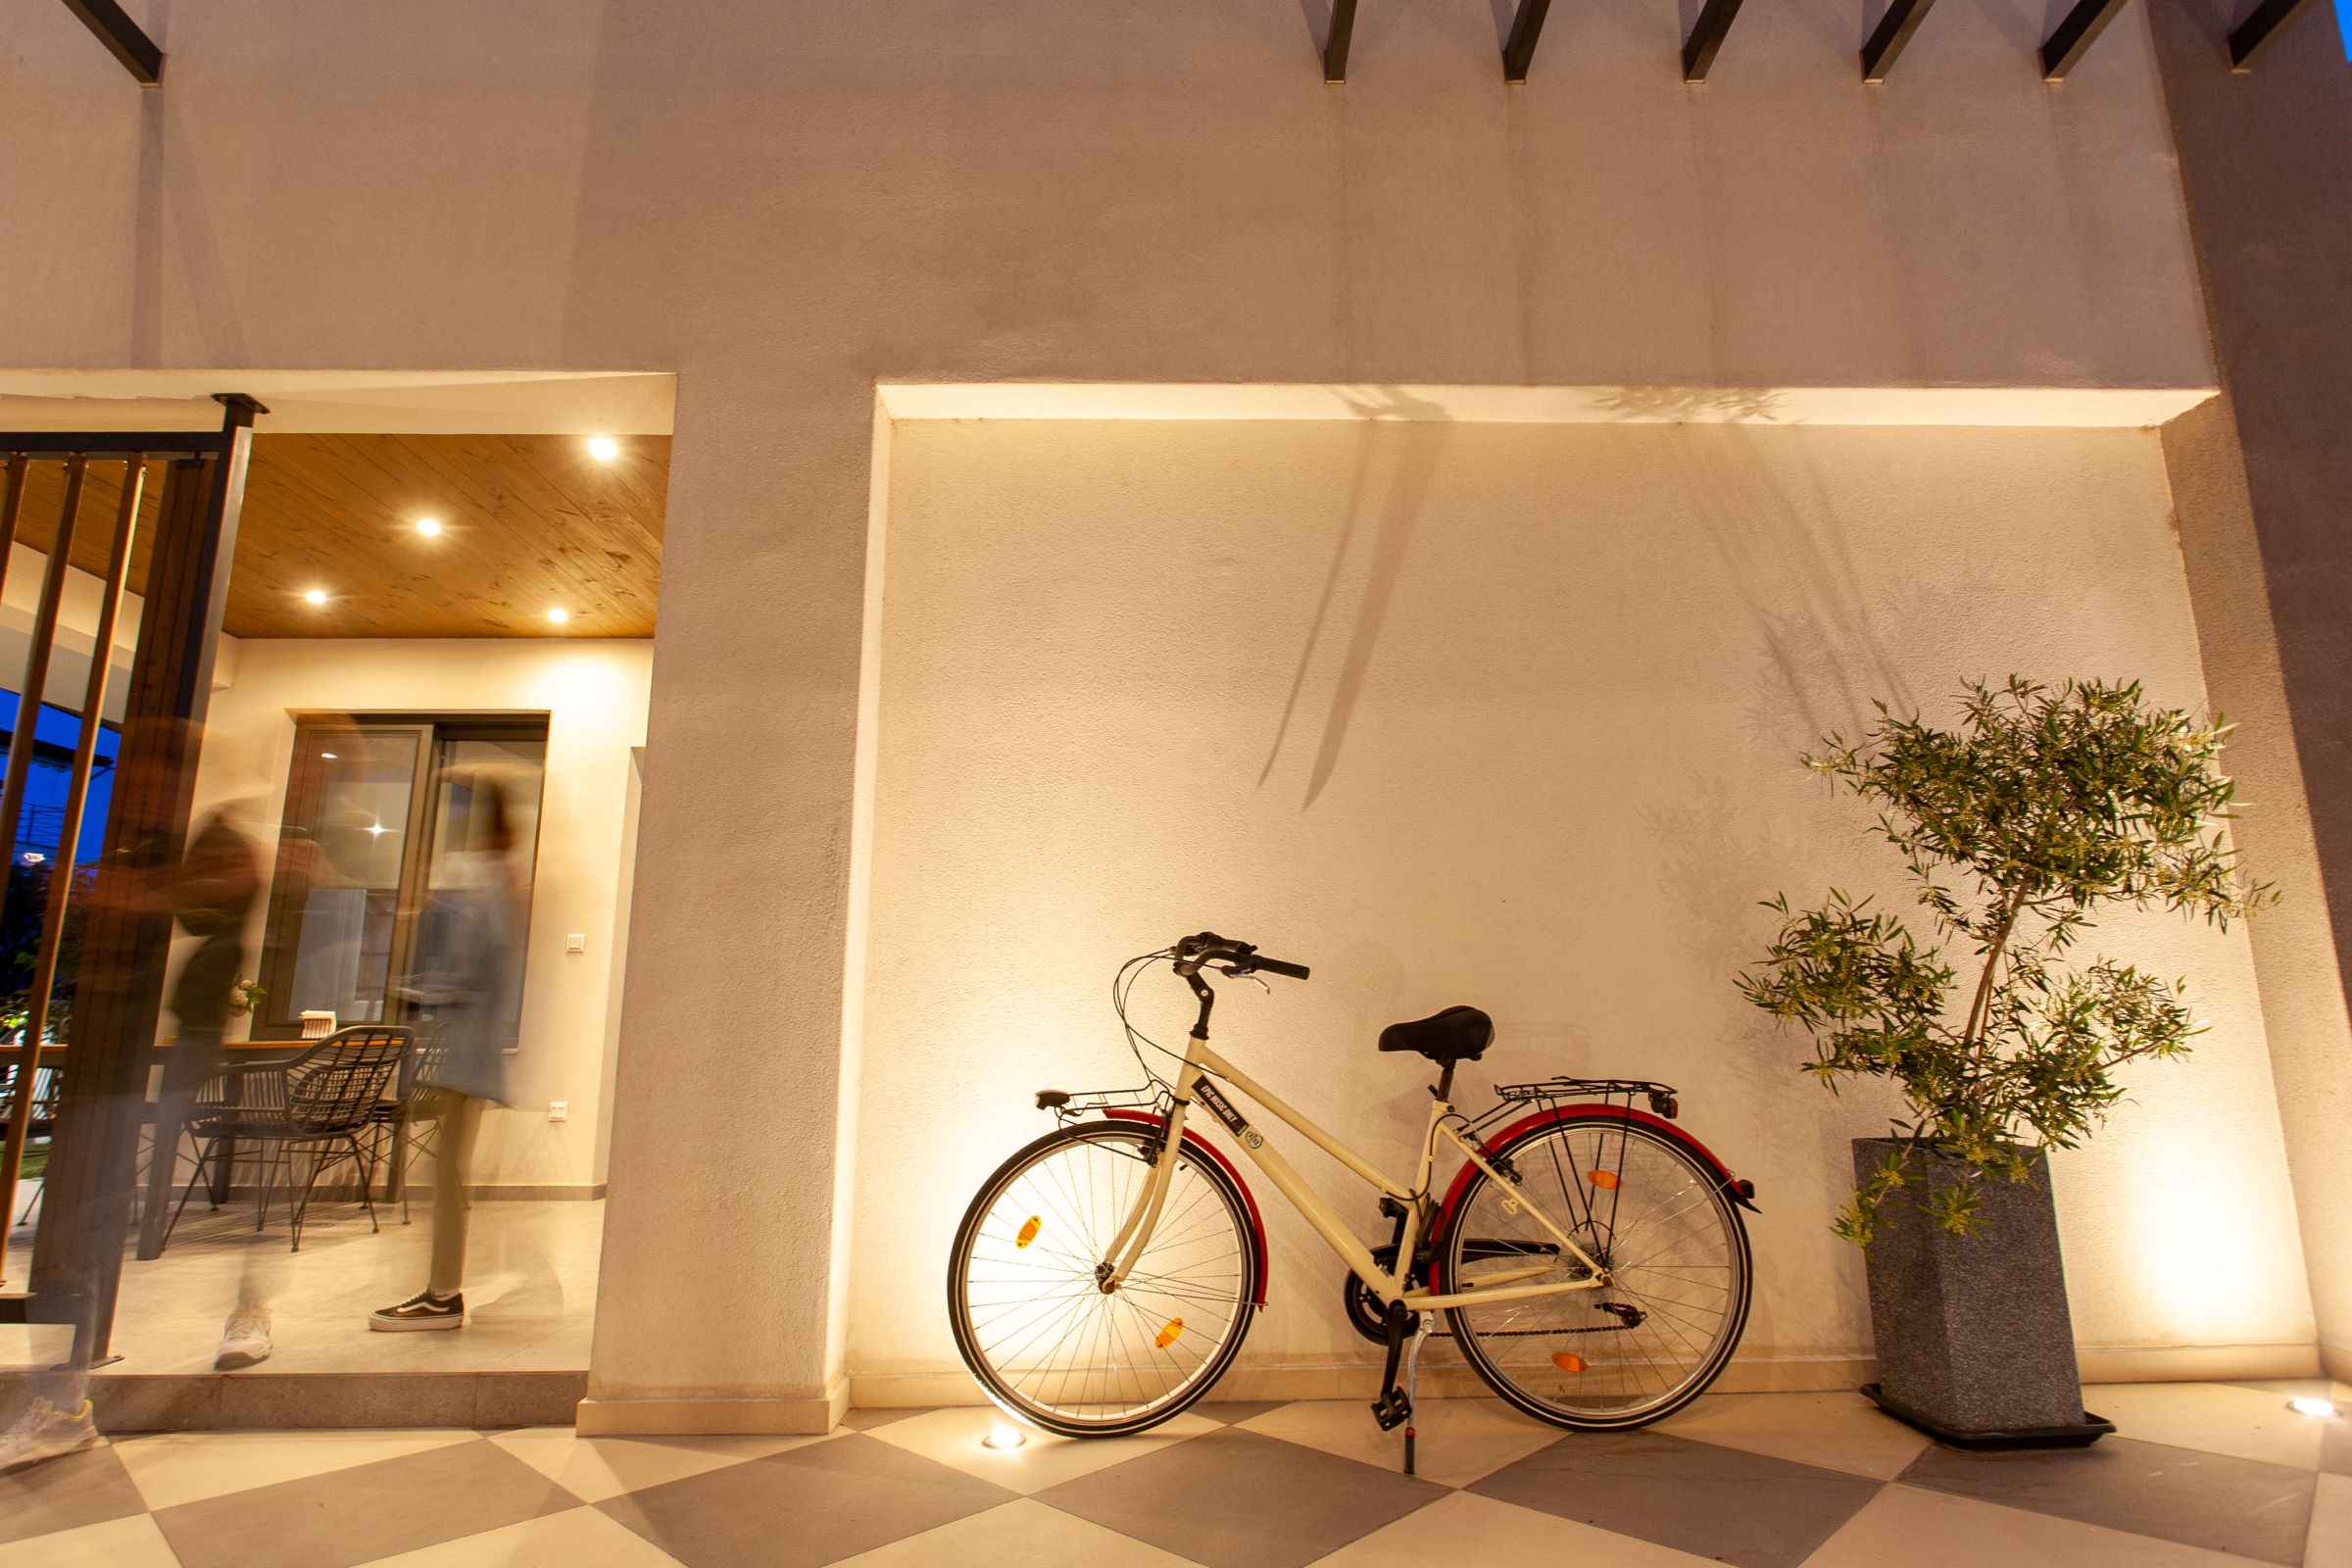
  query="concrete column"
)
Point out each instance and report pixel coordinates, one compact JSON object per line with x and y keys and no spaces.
{"x":2264,"y":485}
{"x":723,"y":1263}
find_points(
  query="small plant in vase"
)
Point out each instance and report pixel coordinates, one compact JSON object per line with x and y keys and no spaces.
{"x":245,"y":997}
{"x":2044,"y":805}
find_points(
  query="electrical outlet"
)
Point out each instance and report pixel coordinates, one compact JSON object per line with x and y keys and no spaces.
{"x":577,"y":942}
{"x":558,"y":1110}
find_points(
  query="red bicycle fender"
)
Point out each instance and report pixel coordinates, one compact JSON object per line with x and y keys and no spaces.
{"x":1545,"y":1119}
{"x":1257,"y":1226}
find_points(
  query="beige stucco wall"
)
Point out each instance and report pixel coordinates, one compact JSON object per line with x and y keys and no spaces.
{"x":594,"y":696}
{"x":1506,"y":715}
{"x":786,"y":201}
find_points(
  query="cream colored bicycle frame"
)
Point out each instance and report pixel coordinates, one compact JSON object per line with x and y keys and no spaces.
{"x":1201,"y":1064}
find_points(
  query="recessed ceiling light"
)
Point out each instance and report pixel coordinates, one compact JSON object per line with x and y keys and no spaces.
{"x":428,"y":527}
{"x":558,"y":614}
{"x":603,"y":448}
{"x":326,"y":756}
{"x":316,"y":596}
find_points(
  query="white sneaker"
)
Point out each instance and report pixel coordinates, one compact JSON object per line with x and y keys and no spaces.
{"x":244,"y":1339}
{"x":46,"y":1432}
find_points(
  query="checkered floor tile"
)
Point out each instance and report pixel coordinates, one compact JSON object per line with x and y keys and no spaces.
{"x":2208,"y":1474}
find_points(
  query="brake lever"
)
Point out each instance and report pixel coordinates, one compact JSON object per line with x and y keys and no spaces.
{"x":1249,"y":975}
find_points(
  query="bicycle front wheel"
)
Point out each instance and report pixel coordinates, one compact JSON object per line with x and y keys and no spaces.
{"x":1640,"y":1203}
{"x":1031,"y":1319}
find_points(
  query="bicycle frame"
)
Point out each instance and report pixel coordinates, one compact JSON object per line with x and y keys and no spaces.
{"x":1203,"y":1067}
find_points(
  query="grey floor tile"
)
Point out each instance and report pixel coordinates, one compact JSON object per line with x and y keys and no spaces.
{"x":1235,"y":1499}
{"x":80,"y":1489}
{"x":805,"y":1506}
{"x":362,"y":1513}
{"x":1711,"y":1501}
{"x":2152,"y":1489}
{"x":863,"y":1420}
{"x":1233,"y":1412}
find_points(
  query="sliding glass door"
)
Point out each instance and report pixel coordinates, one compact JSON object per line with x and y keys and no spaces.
{"x":381,"y":815}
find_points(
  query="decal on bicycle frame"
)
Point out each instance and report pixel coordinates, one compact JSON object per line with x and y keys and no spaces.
{"x":1209,"y":1096}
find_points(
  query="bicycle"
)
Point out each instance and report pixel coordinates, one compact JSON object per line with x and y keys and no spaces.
{"x":1590,"y":1256}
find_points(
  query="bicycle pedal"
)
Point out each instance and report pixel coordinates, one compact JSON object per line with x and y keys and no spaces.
{"x":1392,"y":1410}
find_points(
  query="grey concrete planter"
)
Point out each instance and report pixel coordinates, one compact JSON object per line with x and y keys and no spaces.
{"x":1974,"y":1343}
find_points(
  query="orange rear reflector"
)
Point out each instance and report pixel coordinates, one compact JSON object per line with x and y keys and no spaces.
{"x":1605,"y":1180}
{"x":1567,"y":1361}
{"x":1028,"y":1232}
{"x":1168,"y":1335}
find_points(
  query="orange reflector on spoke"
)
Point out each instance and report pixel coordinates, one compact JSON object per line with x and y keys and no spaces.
{"x":1568,"y":1361}
{"x":1028,"y":1232}
{"x":1168,"y":1335}
{"x":1605,"y":1180}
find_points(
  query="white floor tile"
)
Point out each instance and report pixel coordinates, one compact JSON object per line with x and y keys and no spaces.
{"x":1461,"y":1441}
{"x":581,"y":1537}
{"x":2212,"y":1417}
{"x":175,"y":1467}
{"x":1907,"y":1527}
{"x":952,"y":1437}
{"x":1467,"y":1531}
{"x":530,"y":1287}
{"x":1018,"y":1534}
{"x":593,"y":1469}
{"x":2330,"y":1544}
{"x":132,"y":1542}
{"x":1834,"y":1431}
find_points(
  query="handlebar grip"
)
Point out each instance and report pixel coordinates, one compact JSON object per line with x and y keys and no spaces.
{"x":1258,"y":960}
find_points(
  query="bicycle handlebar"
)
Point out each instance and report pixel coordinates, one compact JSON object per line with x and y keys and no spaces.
{"x":1237,"y":958}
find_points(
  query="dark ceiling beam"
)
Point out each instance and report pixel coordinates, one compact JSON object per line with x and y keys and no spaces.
{"x":2075,"y":35}
{"x":1527,"y":26}
{"x":1343,"y":33}
{"x":2270,"y":18}
{"x":123,"y":37}
{"x":1894,"y":30}
{"x":1698,"y":50}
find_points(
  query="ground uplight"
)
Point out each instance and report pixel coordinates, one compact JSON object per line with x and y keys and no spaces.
{"x":1004,"y":1436}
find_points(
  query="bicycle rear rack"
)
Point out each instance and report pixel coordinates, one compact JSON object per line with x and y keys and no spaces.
{"x":1614,"y":1091}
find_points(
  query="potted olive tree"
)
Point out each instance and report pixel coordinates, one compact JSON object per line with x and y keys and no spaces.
{"x":2041,"y":805}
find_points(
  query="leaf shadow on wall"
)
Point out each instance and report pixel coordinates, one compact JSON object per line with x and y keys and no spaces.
{"x":1408,"y":436}
{"x":1819,"y":662}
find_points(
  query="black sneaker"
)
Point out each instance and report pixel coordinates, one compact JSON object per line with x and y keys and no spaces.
{"x":424,"y":1310}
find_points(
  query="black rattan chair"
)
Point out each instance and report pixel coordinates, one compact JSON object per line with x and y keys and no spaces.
{"x":320,"y":1104}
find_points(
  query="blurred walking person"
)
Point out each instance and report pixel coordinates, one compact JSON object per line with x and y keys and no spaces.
{"x":470,"y":978}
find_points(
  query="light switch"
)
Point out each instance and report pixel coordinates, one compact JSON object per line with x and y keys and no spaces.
{"x":577,"y":942}
{"x":558,"y":1110}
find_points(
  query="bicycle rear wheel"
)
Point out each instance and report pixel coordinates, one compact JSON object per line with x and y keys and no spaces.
{"x":1031,"y":1319}
{"x":1651,"y":1213}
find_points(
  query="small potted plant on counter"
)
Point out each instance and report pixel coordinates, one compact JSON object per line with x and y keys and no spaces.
{"x":2040,"y":807}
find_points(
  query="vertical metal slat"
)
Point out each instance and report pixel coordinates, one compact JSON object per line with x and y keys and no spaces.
{"x":61,"y":873}
{"x":12,"y":496}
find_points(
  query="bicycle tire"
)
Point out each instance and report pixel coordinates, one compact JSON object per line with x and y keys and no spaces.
{"x":1655,"y":1255}
{"x":1199,"y":1280}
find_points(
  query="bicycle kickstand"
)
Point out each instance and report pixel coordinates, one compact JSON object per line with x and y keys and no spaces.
{"x":1413,"y":1375}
